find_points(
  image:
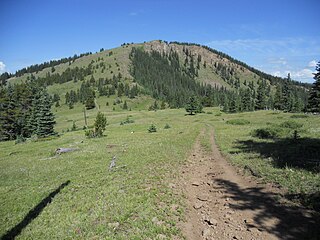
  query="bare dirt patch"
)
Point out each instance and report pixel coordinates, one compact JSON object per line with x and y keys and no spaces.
{"x":223,"y":204}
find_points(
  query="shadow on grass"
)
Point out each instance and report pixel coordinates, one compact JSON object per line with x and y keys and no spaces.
{"x":33,"y":213}
{"x":285,"y":222}
{"x":303,"y":153}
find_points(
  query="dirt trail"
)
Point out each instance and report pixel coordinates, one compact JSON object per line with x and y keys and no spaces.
{"x":223,"y":204}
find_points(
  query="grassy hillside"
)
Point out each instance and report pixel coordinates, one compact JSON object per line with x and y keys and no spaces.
{"x":137,"y":200}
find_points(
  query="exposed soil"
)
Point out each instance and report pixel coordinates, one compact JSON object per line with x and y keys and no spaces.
{"x":222,"y":203}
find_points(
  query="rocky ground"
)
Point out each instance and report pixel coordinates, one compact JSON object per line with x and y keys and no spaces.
{"x":222,"y":203}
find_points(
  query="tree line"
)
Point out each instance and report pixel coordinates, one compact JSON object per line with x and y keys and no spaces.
{"x":38,"y":67}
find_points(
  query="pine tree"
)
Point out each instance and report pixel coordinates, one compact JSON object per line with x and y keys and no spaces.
{"x":314,"y":95}
{"x":192,"y":105}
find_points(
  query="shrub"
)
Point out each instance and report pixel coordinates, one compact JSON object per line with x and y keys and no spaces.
{"x":152,"y":128}
{"x":127,"y":121}
{"x":74,"y":126}
{"x":20,"y":139}
{"x":167,"y":126}
{"x":291,"y":125}
{"x":209,"y":112}
{"x":299,"y":116}
{"x":238,"y":122}
{"x":265,"y":133}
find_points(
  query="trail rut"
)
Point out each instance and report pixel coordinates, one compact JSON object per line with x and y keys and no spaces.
{"x":224,"y":204}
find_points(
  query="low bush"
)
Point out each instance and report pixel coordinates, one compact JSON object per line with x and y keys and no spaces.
{"x":238,"y":122}
{"x":299,"y":116}
{"x":127,"y":121}
{"x":265,"y":133}
{"x":291,"y":125}
{"x":152,"y":128}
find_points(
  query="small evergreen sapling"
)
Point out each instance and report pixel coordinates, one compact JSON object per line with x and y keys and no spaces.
{"x":152,"y":128}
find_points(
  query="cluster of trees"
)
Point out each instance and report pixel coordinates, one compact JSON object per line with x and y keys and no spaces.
{"x":164,"y":78}
{"x":314,"y":96}
{"x":106,"y":87}
{"x":86,"y":95}
{"x":25,"y":110}
{"x":272,"y":79}
{"x":70,"y":74}
{"x":38,"y":67}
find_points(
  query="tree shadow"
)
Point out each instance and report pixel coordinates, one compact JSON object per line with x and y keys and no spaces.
{"x":288,"y":222}
{"x":303,"y":153}
{"x":33,"y":213}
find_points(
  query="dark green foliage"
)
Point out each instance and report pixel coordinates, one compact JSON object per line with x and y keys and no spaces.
{"x":193,"y":106}
{"x":265,"y":133}
{"x":291,"y":125}
{"x":164,"y":78}
{"x":299,"y":116}
{"x":261,"y":102}
{"x":100,"y":124}
{"x":52,"y":63}
{"x":127,"y":121}
{"x":25,"y":110}
{"x":163,"y":105}
{"x":90,"y":103}
{"x":152,"y":128}
{"x":74,"y":126}
{"x":314,"y":95}
{"x":125,"y":106}
{"x":154,"y":106}
{"x":238,"y":122}
{"x":42,"y":121}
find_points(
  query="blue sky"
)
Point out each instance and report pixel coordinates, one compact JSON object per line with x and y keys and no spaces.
{"x":276,"y":36}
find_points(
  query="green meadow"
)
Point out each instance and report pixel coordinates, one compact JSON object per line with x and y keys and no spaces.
{"x":75,"y":195}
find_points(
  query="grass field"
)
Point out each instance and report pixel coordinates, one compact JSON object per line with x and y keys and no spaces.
{"x":74,"y":195}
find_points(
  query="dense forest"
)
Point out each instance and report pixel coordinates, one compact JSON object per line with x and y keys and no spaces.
{"x":167,"y":79}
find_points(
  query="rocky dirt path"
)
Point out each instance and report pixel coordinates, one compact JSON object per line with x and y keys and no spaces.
{"x":224,"y":204}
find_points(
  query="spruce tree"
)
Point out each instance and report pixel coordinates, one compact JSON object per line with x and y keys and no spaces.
{"x":8,"y":114}
{"x":45,"y":118}
{"x":278,"y":98}
{"x":314,"y":95}
{"x":192,"y":105}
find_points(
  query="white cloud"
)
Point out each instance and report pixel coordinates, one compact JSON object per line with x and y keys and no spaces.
{"x":313,"y":63}
{"x":2,"y":67}
{"x":281,"y":61}
{"x":300,"y":75}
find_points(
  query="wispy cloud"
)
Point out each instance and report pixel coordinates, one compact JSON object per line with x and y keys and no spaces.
{"x":132,"y":14}
{"x":312,"y":63}
{"x":2,"y":67}
{"x":291,"y":46}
